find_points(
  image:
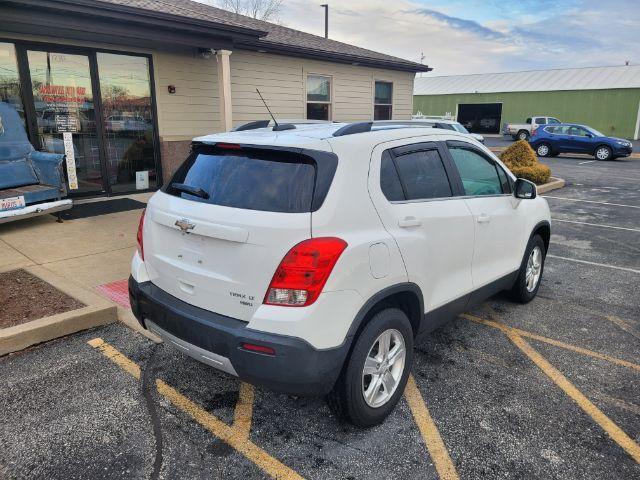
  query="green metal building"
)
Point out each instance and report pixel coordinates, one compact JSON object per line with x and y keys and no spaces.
{"x":605,"y":98}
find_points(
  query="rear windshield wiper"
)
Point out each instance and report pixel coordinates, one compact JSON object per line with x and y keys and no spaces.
{"x":195,"y":191}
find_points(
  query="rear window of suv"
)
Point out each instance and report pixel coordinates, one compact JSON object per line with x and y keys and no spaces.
{"x":252,"y":179}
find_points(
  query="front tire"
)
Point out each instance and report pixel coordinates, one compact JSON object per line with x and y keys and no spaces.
{"x":376,"y":372}
{"x":603,"y":153}
{"x":530,"y":275}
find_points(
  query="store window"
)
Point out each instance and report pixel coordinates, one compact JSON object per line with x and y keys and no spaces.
{"x":65,"y":110}
{"x":127,"y":115}
{"x":10,"y":79}
{"x":383,"y":101}
{"x":318,"y":97}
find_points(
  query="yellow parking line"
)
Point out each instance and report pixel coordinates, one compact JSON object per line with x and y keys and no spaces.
{"x":116,"y":357}
{"x":615,"y":432}
{"x":235,"y":436}
{"x":432,"y":439}
{"x":244,"y":410}
{"x":551,"y":341}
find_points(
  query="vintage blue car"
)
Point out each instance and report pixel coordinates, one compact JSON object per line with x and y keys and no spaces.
{"x":31,"y":183}
{"x":551,"y":140}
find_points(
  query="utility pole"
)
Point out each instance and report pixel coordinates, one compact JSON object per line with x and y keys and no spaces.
{"x":326,"y":19}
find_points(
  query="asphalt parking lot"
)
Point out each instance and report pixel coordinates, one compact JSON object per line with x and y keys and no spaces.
{"x":550,"y":389}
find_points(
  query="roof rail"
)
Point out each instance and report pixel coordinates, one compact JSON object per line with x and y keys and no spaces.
{"x":282,"y":124}
{"x":362,"y":127}
{"x":252,"y":125}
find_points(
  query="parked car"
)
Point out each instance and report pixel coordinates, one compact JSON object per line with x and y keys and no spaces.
{"x":448,"y":124}
{"x":551,"y":140}
{"x":310,"y":259}
{"x":522,"y":131}
{"x":458,"y":127}
{"x":126,"y":123}
{"x":31,"y":182}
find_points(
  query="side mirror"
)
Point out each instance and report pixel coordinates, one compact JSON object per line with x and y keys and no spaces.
{"x":589,"y":135}
{"x":525,"y":189}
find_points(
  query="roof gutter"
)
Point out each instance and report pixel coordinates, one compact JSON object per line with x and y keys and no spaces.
{"x":137,"y":15}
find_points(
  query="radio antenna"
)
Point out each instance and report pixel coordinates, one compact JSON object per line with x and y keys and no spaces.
{"x":268,"y":109}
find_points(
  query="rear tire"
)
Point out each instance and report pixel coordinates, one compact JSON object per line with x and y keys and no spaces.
{"x":362,"y":398}
{"x":530,"y":275}
{"x":543,"y":150}
{"x":523,"y":135}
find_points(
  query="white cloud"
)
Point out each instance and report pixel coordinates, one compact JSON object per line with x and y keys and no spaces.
{"x":453,"y":43}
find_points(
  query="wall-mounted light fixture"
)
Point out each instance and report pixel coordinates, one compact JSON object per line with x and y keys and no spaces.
{"x":171,"y":88}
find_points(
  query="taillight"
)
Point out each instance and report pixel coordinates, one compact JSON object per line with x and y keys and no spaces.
{"x":303,"y":272}
{"x":139,"y":235}
{"x":534,"y":130}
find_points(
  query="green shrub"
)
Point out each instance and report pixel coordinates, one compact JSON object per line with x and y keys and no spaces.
{"x":523,"y":162}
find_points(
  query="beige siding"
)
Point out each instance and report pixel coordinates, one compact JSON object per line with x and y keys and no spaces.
{"x":194,"y":109}
{"x":281,"y":81}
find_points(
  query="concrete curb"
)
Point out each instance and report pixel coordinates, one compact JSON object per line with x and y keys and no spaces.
{"x":554,"y":183}
{"x":97,"y":312}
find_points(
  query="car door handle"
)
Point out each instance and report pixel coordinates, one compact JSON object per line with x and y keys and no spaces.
{"x":483,"y":218}
{"x":407,"y":222}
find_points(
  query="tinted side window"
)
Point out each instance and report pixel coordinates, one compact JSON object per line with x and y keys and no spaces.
{"x":541,"y":121}
{"x":389,"y":180}
{"x":504,"y":180}
{"x":553,"y":120}
{"x":423,"y":175}
{"x":478,"y":173}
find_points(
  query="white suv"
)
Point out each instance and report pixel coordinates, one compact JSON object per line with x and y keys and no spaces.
{"x":309,"y":259}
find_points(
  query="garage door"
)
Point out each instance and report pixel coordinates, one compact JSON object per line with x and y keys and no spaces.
{"x":480,"y":117}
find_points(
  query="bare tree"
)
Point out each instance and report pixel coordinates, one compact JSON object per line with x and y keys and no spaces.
{"x":267,"y":10}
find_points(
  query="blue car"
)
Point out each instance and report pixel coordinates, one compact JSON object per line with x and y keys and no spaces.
{"x":551,"y":140}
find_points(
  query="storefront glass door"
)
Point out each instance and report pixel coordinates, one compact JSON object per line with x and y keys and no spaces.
{"x":127,"y":115}
{"x":65,"y":110}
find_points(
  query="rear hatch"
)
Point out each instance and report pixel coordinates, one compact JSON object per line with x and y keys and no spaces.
{"x":216,"y":233}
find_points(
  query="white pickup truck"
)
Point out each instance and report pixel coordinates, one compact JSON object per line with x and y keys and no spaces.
{"x":522,"y":131}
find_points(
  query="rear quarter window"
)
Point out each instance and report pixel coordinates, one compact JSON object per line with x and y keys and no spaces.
{"x":266,"y":180}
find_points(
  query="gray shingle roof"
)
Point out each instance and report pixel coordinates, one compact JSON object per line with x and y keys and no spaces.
{"x":269,"y":36}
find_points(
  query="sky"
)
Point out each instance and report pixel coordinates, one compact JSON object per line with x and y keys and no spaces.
{"x":481,"y":36}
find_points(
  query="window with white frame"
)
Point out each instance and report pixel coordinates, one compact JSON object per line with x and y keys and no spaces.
{"x":318,"y":97}
{"x":383,"y":101}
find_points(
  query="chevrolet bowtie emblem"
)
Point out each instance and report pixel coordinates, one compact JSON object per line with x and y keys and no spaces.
{"x":185,"y":225}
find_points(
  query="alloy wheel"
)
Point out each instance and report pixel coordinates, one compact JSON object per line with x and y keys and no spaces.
{"x":602,"y":153}
{"x":534,"y":269}
{"x":383,"y":368}
{"x":543,"y":150}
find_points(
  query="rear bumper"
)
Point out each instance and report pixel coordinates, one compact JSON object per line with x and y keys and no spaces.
{"x":35,"y":210}
{"x":296,"y":368}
